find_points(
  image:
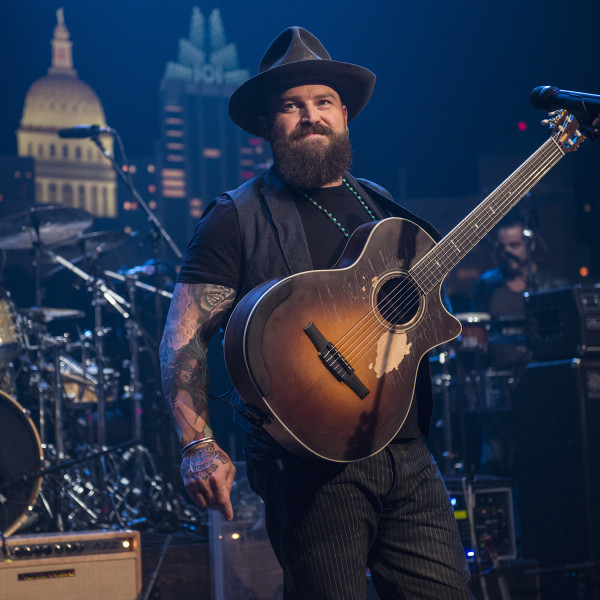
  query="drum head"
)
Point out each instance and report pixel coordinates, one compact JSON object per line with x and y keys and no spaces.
{"x":20,"y":459}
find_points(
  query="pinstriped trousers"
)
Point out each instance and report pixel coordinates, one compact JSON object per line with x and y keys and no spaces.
{"x":391,"y":512}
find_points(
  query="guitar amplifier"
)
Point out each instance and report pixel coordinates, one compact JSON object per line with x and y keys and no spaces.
{"x":564,"y":322}
{"x":94,"y":565}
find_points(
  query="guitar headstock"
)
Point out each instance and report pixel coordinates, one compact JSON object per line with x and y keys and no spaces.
{"x":565,"y":130}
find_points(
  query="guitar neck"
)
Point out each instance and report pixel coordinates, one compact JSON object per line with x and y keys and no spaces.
{"x":444,"y":256}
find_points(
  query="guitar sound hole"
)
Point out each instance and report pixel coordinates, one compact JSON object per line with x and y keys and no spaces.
{"x":398,"y":300}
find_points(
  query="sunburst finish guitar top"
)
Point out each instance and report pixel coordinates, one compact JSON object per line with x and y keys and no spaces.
{"x":329,"y":359}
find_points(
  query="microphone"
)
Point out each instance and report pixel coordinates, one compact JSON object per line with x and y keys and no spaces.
{"x":83,"y":131}
{"x":582,"y":105}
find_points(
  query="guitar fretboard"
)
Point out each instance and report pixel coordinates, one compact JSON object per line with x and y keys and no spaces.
{"x":444,"y":256}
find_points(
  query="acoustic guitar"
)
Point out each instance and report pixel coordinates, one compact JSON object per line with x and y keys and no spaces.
{"x":327,"y":360}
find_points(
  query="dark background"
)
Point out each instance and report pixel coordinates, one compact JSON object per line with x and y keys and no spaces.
{"x":453,"y":77}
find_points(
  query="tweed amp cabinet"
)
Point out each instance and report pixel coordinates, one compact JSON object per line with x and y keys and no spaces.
{"x":92,"y":565}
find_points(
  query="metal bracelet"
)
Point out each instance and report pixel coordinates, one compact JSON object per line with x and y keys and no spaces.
{"x":195,"y":443}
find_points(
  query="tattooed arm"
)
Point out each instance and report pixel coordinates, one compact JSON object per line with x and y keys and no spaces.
{"x":196,"y":312}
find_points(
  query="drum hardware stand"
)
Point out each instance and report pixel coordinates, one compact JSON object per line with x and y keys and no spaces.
{"x":101,"y":295}
{"x":36,"y":259}
{"x":139,"y":284}
{"x":449,"y":456}
{"x":67,"y":487}
{"x":146,"y":486}
{"x":118,"y":498}
{"x":135,"y":386}
{"x":58,"y":400}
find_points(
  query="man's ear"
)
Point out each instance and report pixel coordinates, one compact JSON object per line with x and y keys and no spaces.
{"x":265,"y":130}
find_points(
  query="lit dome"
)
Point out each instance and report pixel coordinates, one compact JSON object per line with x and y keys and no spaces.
{"x":57,"y":101}
{"x":60,"y":99}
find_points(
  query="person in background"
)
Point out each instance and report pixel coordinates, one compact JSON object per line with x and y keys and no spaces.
{"x":500,"y":293}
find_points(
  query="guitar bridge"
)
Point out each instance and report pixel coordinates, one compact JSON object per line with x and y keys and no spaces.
{"x":335,"y":362}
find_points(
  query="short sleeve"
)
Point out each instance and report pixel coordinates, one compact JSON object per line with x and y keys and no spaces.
{"x":213,"y":255}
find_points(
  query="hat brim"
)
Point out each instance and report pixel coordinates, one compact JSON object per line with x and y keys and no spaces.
{"x":249,"y":102}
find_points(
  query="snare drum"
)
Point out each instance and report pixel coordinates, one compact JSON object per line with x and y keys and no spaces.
{"x":21,"y":459}
{"x":9,"y":329}
{"x":80,"y":383}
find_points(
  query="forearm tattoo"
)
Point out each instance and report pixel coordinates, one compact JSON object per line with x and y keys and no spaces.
{"x":195,"y":314}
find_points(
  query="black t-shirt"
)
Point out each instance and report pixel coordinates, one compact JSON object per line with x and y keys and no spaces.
{"x":214,"y":252}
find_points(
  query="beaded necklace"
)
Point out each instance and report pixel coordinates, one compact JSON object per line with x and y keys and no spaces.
{"x":331,"y":217}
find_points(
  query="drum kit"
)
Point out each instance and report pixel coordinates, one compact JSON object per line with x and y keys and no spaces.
{"x":474,"y":378}
{"x":57,"y":471}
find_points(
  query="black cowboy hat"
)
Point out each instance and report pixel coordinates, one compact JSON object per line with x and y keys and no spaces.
{"x":296,"y":57}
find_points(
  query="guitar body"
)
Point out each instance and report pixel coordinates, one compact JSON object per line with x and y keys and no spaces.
{"x":377,"y":319}
{"x":328,"y":359}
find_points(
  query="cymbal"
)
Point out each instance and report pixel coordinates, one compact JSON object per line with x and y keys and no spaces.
{"x":91,"y":245}
{"x":47,"y":224}
{"x":100,"y":241}
{"x":45,"y":314}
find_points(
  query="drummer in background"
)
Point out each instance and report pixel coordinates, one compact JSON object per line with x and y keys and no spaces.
{"x":499,"y":292}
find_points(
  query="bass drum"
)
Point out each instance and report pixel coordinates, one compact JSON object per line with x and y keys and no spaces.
{"x":21,"y":458}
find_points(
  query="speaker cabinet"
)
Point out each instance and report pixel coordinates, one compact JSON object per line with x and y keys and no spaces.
{"x":90,"y":565}
{"x":557,"y":417}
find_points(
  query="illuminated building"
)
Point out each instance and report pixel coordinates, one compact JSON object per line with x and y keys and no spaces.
{"x":69,"y":172}
{"x":201,"y":152}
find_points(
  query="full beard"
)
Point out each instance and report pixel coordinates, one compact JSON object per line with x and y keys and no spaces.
{"x":312,"y":163}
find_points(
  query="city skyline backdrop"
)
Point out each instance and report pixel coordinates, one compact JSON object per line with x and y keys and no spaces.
{"x":453,"y":79}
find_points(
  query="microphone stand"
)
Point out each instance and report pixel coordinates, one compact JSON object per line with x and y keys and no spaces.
{"x":157,"y":229}
{"x":152,"y":218}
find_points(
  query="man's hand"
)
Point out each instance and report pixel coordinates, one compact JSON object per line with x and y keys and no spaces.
{"x":207,"y":474}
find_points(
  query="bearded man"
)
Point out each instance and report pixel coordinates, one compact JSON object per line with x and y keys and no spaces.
{"x":327,"y":521}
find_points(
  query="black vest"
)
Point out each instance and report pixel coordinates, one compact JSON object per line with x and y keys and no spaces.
{"x":274,"y":246}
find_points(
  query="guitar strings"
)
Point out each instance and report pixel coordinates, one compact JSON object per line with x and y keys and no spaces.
{"x":405,"y":297}
{"x":407,"y":286}
{"x":511,"y":194}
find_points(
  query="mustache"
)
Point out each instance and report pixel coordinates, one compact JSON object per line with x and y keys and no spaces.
{"x":317,"y":128}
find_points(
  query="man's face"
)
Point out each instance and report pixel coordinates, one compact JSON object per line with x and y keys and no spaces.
{"x":307,"y":128}
{"x":512,"y":245}
{"x":303,"y":112}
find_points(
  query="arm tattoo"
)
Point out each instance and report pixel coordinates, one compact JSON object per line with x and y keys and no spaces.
{"x":196,"y":312}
